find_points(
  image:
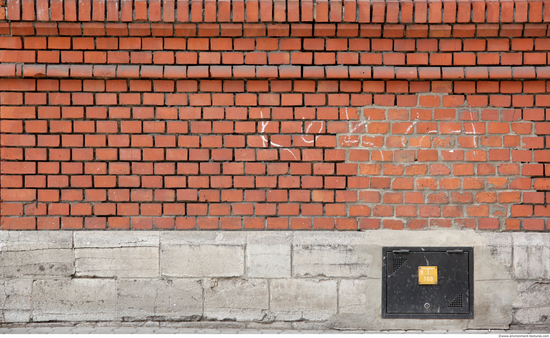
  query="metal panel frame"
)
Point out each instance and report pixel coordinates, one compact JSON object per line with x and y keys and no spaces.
{"x":385,"y":264}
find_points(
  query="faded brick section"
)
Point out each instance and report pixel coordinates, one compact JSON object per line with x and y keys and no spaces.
{"x":435,"y":160}
{"x":244,"y":114}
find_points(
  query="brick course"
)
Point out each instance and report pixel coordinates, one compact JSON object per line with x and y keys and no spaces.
{"x":321,"y":115}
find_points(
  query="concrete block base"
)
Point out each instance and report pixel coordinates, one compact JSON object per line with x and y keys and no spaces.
{"x":299,"y":280}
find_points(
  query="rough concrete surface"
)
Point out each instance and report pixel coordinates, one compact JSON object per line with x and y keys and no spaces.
{"x":329,"y":260}
{"x":46,"y":263}
{"x":15,"y":300}
{"x":498,"y":246}
{"x":236,"y":299}
{"x":268,"y":255}
{"x":35,"y":240}
{"x":533,"y":316}
{"x":298,"y":299}
{"x":159,"y":299}
{"x":322,"y":254}
{"x":531,"y":256}
{"x":202,"y":260}
{"x":533,"y":303}
{"x":106,"y":239}
{"x":117,"y":262}
{"x":282,"y":280}
{"x":492,"y":303}
{"x":74,"y":300}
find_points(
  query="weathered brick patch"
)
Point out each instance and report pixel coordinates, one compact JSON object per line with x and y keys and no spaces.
{"x":434,"y":160}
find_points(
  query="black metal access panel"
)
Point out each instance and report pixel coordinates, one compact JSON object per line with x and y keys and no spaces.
{"x":428,"y":282}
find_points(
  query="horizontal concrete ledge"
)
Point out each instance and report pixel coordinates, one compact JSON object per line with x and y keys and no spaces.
{"x":19,"y":70}
{"x":433,"y":11}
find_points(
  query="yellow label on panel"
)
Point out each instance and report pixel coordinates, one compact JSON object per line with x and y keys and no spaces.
{"x":427,"y":275}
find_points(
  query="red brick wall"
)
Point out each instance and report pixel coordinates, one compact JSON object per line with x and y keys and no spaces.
{"x":275,"y":114}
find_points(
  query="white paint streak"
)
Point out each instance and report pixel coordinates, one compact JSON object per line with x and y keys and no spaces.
{"x":263,"y":125}
{"x":348,"y":141}
{"x":303,"y":139}
{"x":291,"y":153}
{"x":474,"y":131}
{"x":357,"y":127}
{"x":264,"y":139}
{"x":410,"y":127}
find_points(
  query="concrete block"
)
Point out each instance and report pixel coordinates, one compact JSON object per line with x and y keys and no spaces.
{"x":533,"y":295}
{"x":493,"y":304}
{"x":202,"y":260}
{"x":531,"y":255}
{"x":35,"y":240}
{"x":159,"y":299}
{"x":500,"y":245}
{"x":116,"y":239}
{"x":236,"y":299}
{"x":493,"y":259}
{"x":423,"y":238}
{"x":359,"y":304}
{"x":276,"y":291}
{"x":532,"y":316}
{"x":117,"y":262}
{"x":303,"y":299}
{"x":38,"y":263}
{"x":74,"y":300}
{"x":329,"y":255}
{"x":2,"y":300}
{"x":15,"y":300}
{"x":202,"y":237}
{"x":359,"y":296}
{"x":268,"y":254}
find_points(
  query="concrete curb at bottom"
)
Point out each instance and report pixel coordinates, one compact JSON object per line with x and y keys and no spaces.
{"x":221,"y":328}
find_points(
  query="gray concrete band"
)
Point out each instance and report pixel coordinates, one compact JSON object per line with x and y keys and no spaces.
{"x":330,"y":279}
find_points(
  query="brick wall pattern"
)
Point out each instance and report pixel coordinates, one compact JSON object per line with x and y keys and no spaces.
{"x":272,"y":114}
